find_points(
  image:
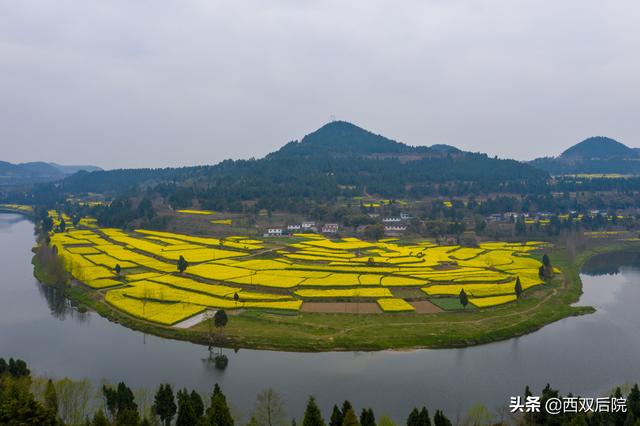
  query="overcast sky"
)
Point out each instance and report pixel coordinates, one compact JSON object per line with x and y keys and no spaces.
{"x":149,"y":83}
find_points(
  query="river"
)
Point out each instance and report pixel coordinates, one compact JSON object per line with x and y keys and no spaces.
{"x":585,"y":355}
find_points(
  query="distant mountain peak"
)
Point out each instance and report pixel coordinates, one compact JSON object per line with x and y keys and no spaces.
{"x":598,"y":147}
{"x":597,"y":154}
{"x":341,"y":138}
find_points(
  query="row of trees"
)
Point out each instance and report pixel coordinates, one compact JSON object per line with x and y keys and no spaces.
{"x":27,"y":400}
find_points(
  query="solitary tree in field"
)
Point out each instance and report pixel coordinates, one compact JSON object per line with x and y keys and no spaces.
{"x":236,"y":298}
{"x":518,"y":288}
{"x":182,"y":264}
{"x":464,"y":299}
{"x":220,"y":319}
{"x":63,"y":225}
{"x":546,"y":261}
{"x":118,"y":269}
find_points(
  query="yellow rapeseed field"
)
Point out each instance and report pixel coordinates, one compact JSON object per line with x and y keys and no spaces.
{"x":395,"y":305}
{"x":314,"y":267}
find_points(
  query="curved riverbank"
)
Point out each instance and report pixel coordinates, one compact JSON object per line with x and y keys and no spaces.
{"x":314,"y":332}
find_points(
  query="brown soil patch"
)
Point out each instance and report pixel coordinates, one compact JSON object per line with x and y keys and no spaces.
{"x":425,"y":307}
{"x":341,"y":308}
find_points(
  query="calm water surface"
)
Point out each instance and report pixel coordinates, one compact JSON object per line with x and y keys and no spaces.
{"x":585,"y":355}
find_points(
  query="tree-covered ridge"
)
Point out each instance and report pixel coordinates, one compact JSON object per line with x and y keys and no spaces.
{"x":339,"y":159}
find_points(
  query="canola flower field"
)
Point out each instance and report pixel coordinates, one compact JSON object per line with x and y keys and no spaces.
{"x":243,"y":273}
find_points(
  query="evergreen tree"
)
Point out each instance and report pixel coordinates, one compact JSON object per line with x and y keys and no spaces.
{"x":336,"y":417}
{"x":164,"y":404}
{"x":197,"y":404}
{"x":51,"y":397}
{"x":186,"y":413}
{"x":633,"y":401}
{"x":386,"y":421}
{"x":419,"y":418}
{"x":439,"y":419}
{"x":424,"y":417}
{"x":464,"y":299}
{"x":350,"y":418}
{"x":182,"y":264}
{"x":220,"y":318}
{"x":518,"y":288}
{"x":126,"y":400}
{"x":99,"y":419}
{"x":312,"y":415}
{"x":346,"y":405}
{"x":367,"y":418}
{"x":128,"y":417}
{"x":414,"y":418}
{"x":218,"y":413}
{"x":118,"y":269}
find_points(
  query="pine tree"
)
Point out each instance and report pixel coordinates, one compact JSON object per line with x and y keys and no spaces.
{"x":99,"y":419}
{"x":414,"y":418}
{"x":439,"y":419}
{"x":312,"y":415}
{"x":424,"y":417}
{"x":633,"y":401}
{"x":164,"y":405}
{"x":218,"y":413}
{"x":518,"y":288}
{"x":51,"y":397}
{"x":350,"y":418}
{"x":367,"y":418}
{"x":336,"y":417}
{"x":197,"y":403}
{"x":346,"y":405}
{"x":464,"y":300}
{"x":186,"y":413}
{"x":419,"y":418}
{"x":182,"y":264}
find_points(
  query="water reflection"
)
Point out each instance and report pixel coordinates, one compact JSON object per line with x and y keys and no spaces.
{"x":611,"y":263}
{"x":59,"y":306}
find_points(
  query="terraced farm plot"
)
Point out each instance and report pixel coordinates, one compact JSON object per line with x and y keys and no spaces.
{"x":395,"y":305}
{"x":231,"y":273}
{"x":485,"y":302}
{"x":344,"y":293}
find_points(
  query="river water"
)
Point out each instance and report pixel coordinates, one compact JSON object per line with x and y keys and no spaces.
{"x":585,"y":355}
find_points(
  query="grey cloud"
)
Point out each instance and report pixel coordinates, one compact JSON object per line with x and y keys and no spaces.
{"x":165,"y":83}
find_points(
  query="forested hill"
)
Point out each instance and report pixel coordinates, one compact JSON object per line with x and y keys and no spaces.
{"x":597,"y":154}
{"x":337,"y":159}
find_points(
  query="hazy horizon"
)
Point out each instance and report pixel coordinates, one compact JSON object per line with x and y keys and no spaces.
{"x":156,"y":84}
